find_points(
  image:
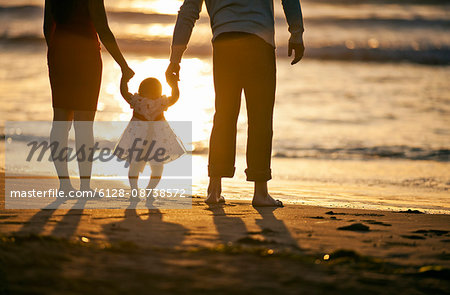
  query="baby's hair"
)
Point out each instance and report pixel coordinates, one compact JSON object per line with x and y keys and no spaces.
{"x":150,"y":88}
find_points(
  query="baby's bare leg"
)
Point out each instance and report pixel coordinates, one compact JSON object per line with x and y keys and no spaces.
{"x":155,"y":177}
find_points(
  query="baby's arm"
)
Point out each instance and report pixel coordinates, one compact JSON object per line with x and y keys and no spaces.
{"x":124,"y":90}
{"x":175,"y":91}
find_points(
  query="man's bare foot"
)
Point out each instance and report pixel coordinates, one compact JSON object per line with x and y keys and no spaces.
{"x":266,"y":201}
{"x":214,"y":200}
{"x":261,"y":197}
{"x":214,"y":191}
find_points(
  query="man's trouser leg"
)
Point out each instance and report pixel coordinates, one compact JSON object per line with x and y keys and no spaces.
{"x":242,"y":61}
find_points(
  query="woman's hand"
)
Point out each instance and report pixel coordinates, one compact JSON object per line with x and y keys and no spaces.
{"x":127,"y":73}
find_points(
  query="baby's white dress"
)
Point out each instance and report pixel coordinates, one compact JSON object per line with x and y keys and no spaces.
{"x":150,"y":135}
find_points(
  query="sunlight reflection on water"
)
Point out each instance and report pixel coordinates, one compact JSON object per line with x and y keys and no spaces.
{"x":154,"y":6}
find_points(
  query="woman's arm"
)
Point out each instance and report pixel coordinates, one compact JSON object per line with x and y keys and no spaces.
{"x":100,"y":20}
{"x":49,"y":24}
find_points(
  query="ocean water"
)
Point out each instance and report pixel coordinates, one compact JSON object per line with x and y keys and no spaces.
{"x":373,"y":87}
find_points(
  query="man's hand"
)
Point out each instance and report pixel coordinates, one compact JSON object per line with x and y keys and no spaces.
{"x":299,"y":49}
{"x":172,"y":80}
{"x":173,"y":73}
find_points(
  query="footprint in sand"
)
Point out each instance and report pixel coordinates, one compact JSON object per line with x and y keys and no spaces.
{"x":264,"y":231}
{"x":409,"y":211}
{"x":355,"y":214}
{"x":333,"y":213}
{"x":358,"y":227}
{"x":413,"y":237}
{"x":370,"y":221}
{"x":321,"y":217}
{"x":431,"y":232}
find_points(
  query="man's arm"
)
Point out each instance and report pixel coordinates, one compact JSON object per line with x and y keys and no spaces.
{"x":187,"y":16}
{"x":124,"y":89}
{"x":294,"y":17}
{"x":49,"y":24}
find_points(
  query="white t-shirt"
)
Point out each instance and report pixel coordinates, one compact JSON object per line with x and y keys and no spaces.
{"x":248,"y":16}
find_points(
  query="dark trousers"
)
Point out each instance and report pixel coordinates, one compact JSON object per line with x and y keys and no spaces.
{"x":242,"y":62}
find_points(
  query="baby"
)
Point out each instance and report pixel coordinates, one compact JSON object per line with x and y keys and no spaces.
{"x":148,"y":131}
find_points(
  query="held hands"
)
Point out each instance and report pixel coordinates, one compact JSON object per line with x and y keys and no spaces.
{"x":172,"y":81}
{"x":173,"y":73}
{"x":127,"y":73}
{"x":299,"y":49}
{"x":172,"y":78}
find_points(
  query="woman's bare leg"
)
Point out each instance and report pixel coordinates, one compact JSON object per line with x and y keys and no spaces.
{"x":84,"y":139}
{"x":133,"y":175}
{"x":155,"y":177}
{"x":62,"y":121}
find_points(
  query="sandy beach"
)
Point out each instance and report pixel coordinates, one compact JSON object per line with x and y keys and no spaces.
{"x":224,"y":248}
{"x":360,"y":158}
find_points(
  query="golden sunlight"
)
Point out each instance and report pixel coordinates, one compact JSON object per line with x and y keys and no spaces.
{"x":196,"y":101}
{"x":165,"y":6}
{"x":160,"y":30}
{"x":156,"y":6}
{"x":145,"y":31}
